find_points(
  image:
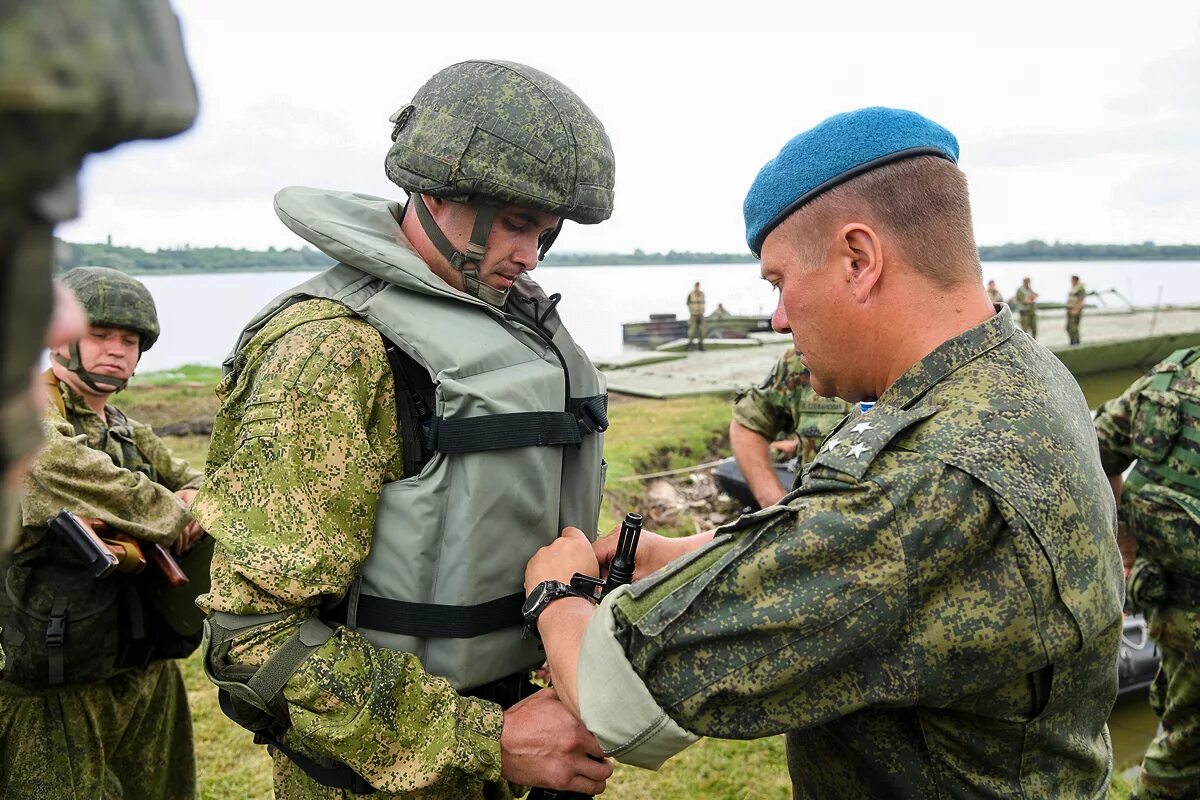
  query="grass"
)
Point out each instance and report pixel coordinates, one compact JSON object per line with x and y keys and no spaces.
{"x":646,"y":436}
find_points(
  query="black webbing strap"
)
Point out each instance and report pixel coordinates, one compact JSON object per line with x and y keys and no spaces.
{"x":431,"y":620}
{"x":500,"y":431}
{"x":586,"y":416}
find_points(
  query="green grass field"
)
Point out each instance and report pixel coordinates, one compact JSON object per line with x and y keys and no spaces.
{"x":646,"y":436}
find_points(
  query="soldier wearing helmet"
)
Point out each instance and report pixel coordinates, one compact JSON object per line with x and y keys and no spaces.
{"x":397,"y":436}
{"x":90,"y":697}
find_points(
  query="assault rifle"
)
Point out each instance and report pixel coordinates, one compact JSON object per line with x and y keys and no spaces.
{"x":114,"y":551}
{"x":620,"y":572}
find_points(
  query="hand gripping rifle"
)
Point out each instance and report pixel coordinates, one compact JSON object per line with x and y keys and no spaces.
{"x":620,"y":572}
{"x":105,"y":550}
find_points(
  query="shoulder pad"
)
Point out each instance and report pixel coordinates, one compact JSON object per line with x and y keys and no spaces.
{"x":851,"y":448}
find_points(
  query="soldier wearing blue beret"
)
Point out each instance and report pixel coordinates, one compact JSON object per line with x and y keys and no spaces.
{"x":934,"y":611}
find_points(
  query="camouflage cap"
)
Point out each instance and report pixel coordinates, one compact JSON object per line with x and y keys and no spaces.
{"x":114,"y":299}
{"x":507,"y":132}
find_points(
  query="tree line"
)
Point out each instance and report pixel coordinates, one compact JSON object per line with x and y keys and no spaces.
{"x":227,"y":259}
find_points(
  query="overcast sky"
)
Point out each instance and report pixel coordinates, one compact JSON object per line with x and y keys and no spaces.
{"x":1077,"y":122}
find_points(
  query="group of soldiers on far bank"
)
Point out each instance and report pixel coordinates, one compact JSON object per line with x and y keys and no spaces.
{"x":1025,"y":302}
{"x":406,"y":469}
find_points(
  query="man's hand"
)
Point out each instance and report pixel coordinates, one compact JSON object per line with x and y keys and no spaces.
{"x":653,"y":551}
{"x":542,"y":744}
{"x":787,"y":447}
{"x":191,"y":532}
{"x":571,"y":552}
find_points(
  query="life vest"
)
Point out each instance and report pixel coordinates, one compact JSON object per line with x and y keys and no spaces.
{"x":515,"y":434}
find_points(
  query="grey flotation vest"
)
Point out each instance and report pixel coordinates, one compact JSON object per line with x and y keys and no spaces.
{"x":516,"y":436}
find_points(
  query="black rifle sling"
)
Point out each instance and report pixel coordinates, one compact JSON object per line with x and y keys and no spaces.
{"x":414,"y":406}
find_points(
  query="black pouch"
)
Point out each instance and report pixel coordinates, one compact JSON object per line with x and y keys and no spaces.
{"x":61,"y":625}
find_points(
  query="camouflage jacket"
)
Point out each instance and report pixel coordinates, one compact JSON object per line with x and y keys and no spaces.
{"x":786,"y":404}
{"x":84,"y":468}
{"x":934,"y":613}
{"x":1026,"y":299}
{"x":1161,"y":426}
{"x":306,"y":436}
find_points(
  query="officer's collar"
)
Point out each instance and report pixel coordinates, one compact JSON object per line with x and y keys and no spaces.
{"x":948,"y":357}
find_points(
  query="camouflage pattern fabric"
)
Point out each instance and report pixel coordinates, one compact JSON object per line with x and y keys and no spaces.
{"x":934,"y":612}
{"x":113,"y":299}
{"x":89,"y":476}
{"x":785,"y":404}
{"x":507,"y":132}
{"x":1132,"y":425}
{"x":129,"y":736}
{"x":1076,"y":295}
{"x":306,"y":436}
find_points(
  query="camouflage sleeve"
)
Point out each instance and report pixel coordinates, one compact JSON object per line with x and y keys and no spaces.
{"x":764,"y":408}
{"x":69,"y":474}
{"x":1114,"y":422}
{"x":847,"y":597}
{"x":291,"y":500}
{"x":174,"y":473}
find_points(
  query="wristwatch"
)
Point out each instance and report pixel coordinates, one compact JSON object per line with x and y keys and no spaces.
{"x":543,"y":595}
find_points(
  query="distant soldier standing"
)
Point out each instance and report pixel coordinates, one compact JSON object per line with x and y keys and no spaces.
{"x":1027,"y":305}
{"x":695,"y":304}
{"x":1075,"y":299}
{"x":1157,"y":422}
{"x":783,"y":404}
{"x":90,"y":704}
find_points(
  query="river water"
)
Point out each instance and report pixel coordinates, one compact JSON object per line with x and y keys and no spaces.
{"x":202,"y":314}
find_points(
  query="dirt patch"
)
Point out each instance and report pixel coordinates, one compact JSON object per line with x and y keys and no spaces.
{"x":687,"y":504}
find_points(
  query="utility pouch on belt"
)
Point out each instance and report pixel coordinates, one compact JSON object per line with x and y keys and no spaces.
{"x":177,"y":603}
{"x":60,"y":624}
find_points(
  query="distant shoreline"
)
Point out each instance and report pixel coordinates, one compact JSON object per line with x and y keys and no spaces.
{"x":214,"y":260}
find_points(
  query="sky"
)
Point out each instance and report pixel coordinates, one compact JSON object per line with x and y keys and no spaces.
{"x":1077,"y":122}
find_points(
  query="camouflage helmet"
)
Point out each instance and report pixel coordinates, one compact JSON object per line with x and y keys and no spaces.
{"x":115,"y":300}
{"x":508,"y":132}
{"x":499,"y":133}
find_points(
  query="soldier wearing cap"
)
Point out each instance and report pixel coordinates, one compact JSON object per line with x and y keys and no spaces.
{"x":783,"y":405}
{"x":397,"y":437}
{"x":1155,"y":427}
{"x":935,"y":610}
{"x":91,"y":702}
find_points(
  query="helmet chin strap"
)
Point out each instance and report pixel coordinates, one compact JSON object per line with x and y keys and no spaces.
{"x":105,"y":384}
{"x":466,"y":263}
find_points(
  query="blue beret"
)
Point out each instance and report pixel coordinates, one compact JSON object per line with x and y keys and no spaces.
{"x":840,"y":148}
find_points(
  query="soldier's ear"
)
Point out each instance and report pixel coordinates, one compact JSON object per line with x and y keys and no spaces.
{"x":860,"y":256}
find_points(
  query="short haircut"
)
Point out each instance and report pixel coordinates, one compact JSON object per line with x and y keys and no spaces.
{"x":921,"y":203}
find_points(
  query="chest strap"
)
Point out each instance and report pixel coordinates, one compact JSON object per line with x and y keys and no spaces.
{"x":426,"y":620}
{"x":585,"y":416}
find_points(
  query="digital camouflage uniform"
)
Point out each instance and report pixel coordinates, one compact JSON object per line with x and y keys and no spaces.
{"x":128,"y":735}
{"x":1076,"y":295}
{"x":695,"y":304}
{"x":934,"y":613}
{"x":1157,"y":421}
{"x":1027,"y":305}
{"x":75,"y":78}
{"x":303,"y":442}
{"x":785,"y":404}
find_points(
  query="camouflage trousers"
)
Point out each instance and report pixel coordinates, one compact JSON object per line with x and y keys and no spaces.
{"x":128,"y":737}
{"x":1073,"y":328}
{"x":1171,"y":767}
{"x":291,"y":783}
{"x":695,"y":329}
{"x":1029,"y":322}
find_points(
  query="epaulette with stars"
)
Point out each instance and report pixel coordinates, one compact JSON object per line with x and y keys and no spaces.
{"x":851,"y":449}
